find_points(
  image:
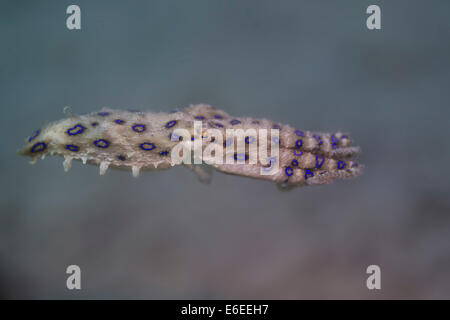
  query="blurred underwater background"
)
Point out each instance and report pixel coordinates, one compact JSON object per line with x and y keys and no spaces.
{"x":311,"y":64}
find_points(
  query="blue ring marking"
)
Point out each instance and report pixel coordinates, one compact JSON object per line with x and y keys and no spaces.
{"x":241,"y":156}
{"x":38,"y":147}
{"x":294,"y":163}
{"x":119,"y":121}
{"x":170,"y":124}
{"x":94,"y":124}
{"x":72,"y":147}
{"x":334,"y":139}
{"x":174,"y":137}
{"x":289,"y":171}
{"x":79,"y":129}
{"x":228,"y":142}
{"x":234,"y":122}
{"x":319,"y":165}
{"x":308,"y":173}
{"x":276,"y":126}
{"x":34,"y":136}
{"x":147,"y":146}
{"x":103,"y":114}
{"x":299,"y":133}
{"x":139,"y":128}
{"x":249,"y":140}
{"x":319,"y":139}
{"x":101,"y":143}
{"x":276,"y":140}
{"x":217,"y":116}
{"x":164,"y":153}
{"x":219,"y":125}
{"x":298,"y":152}
{"x":341,"y":165}
{"x":121,"y":158}
{"x":200,"y":117}
{"x":299,"y":143}
{"x":272,"y":160}
{"x":192,"y":138}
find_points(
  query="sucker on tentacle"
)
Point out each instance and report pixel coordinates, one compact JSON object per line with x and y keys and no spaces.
{"x":146,"y":141}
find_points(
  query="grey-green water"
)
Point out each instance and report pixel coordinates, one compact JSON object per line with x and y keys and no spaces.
{"x":311,"y":64}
